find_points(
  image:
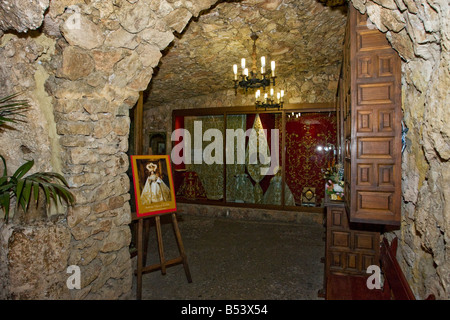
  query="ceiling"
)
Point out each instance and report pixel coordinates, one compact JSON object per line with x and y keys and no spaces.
{"x":300,"y":35}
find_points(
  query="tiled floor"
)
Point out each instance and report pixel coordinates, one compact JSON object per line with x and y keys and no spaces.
{"x":238,"y":260}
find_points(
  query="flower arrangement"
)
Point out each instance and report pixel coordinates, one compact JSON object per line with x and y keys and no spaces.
{"x":334,"y":184}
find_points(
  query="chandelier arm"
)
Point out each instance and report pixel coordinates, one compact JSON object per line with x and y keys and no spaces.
{"x":251,"y":80}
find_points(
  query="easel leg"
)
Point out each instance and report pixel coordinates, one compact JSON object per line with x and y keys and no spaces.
{"x":139,"y":260}
{"x":145,"y":237}
{"x":160,"y":245}
{"x":181,"y":247}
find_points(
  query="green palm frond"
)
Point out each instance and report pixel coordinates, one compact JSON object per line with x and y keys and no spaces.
{"x":5,"y":190}
{"x":11,"y":109}
{"x":26,"y":188}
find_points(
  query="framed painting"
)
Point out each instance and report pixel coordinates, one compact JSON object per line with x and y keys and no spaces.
{"x":153,"y":185}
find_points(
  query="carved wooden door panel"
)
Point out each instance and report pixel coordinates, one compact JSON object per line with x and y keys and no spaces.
{"x":348,"y":250}
{"x":373,"y":144}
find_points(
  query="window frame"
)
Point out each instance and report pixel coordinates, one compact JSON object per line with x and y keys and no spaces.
{"x":225,"y":111}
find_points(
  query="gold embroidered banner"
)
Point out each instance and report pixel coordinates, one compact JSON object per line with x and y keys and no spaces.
{"x":308,"y":138}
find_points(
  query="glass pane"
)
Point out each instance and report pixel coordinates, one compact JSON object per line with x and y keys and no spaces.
{"x":310,"y":147}
{"x":253,"y":158}
{"x":200,"y":175}
{"x":239,"y":188}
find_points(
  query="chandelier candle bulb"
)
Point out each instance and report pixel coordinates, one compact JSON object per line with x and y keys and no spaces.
{"x":253,"y":80}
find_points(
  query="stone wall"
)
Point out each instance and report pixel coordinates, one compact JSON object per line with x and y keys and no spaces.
{"x":303,"y":37}
{"x":33,"y":260}
{"x":82,"y":72}
{"x":419,"y":31}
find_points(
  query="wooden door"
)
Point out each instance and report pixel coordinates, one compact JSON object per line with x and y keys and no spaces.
{"x":374,"y":147}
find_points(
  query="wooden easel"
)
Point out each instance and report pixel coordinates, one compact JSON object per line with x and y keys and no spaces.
{"x":141,"y":252}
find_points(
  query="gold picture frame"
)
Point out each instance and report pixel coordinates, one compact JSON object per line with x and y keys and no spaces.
{"x":153,"y":185}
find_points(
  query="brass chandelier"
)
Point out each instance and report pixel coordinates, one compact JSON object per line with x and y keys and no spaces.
{"x":254,"y":81}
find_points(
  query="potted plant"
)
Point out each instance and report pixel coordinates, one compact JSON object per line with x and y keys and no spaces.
{"x":24,"y":187}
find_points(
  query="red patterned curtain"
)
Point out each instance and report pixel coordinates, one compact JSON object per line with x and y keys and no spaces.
{"x":308,"y":141}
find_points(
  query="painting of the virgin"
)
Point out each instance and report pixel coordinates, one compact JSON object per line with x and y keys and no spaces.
{"x":153,"y":185}
{"x":155,"y":190}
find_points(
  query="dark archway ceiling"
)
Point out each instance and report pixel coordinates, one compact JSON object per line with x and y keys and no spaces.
{"x":300,"y":35}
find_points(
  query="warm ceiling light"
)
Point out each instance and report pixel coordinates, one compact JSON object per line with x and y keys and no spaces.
{"x":254,"y":80}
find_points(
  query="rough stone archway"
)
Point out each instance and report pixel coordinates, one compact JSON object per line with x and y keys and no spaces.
{"x":83,"y":70}
{"x":85,"y":67}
